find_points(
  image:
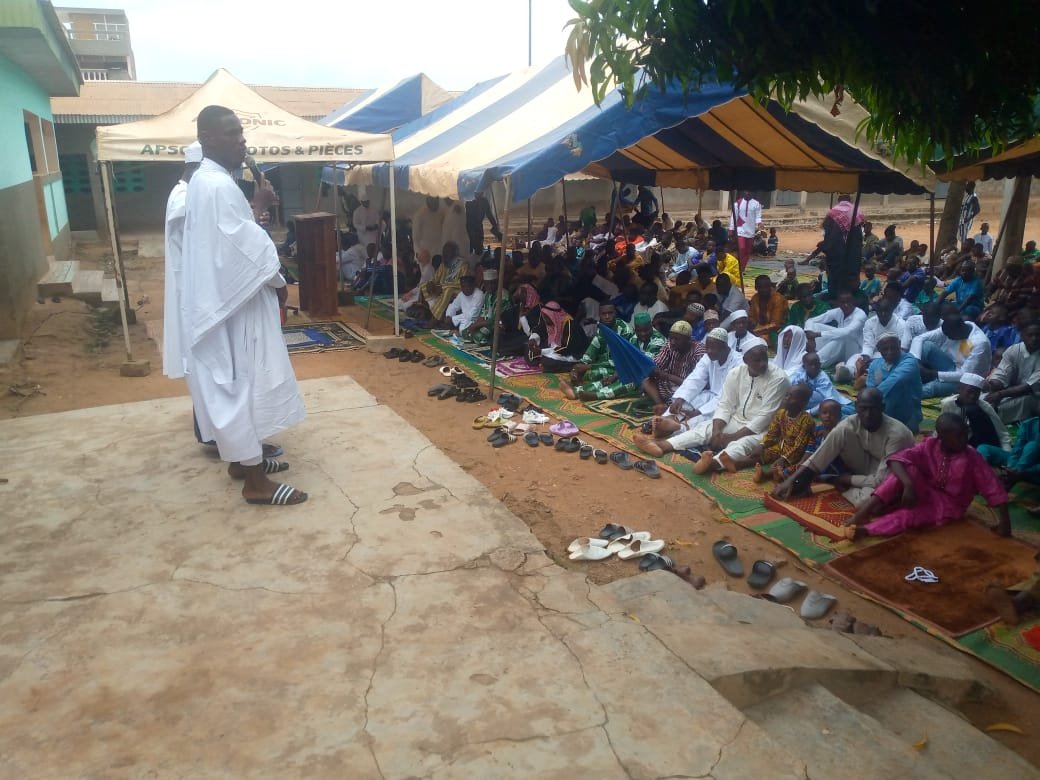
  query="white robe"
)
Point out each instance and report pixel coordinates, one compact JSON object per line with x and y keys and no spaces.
{"x":464,"y":309}
{"x":840,"y":336}
{"x":173,"y":357}
{"x":426,"y":230}
{"x":453,"y":228}
{"x":702,"y":387}
{"x":239,"y":374}
{"x":872,"y":329}
{"x":366,"y":223}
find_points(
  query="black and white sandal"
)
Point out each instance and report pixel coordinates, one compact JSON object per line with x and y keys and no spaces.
{"x":284,"y":495}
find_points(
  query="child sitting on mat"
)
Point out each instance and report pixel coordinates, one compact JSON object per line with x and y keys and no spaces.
{"x":931,"y":483}
{"x":783,"y":445}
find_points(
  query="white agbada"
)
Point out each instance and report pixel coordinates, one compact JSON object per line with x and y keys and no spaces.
{"x":872,"y":329}
{"x":840,"y":336}
{"x":465,"y":308}
{"x":239,"y":374}
{"x":453,"y":228}
{"x":365,"y":220}
{"x":173,"y":357}
{"x":426,"y":230}
{"x":703,"y":386}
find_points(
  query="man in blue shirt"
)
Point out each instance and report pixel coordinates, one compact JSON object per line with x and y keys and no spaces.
{"x":967,"y":290}
{"x":897,"y":375}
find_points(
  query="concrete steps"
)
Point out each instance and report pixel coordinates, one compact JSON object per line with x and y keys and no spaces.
{"x":838,"y":740}
{"x":86,"y":285}
{"x":65,"y":278}
{"x":58,"y":280}
{"x":844,"y":705}
{"x":10,"y":350}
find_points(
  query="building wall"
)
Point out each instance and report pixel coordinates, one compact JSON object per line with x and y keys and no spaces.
{"x":30,"y":207}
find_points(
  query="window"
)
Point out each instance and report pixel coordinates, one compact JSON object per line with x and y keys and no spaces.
{"x":39,"y":138}
{"x":75,"y":175}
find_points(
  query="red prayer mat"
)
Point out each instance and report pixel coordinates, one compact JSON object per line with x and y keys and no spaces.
{"x":824,"y":512}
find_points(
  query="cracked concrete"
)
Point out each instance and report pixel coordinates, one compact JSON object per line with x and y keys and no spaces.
{"x":402,"y":623}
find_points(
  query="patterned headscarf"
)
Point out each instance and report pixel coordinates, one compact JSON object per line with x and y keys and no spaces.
{"x":555,"y":320}
{"x":528,"y":296}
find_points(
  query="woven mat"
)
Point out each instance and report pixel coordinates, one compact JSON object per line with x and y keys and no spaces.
{"x":321,"y":337}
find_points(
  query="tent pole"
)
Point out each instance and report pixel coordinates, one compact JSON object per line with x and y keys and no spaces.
{"x":740,"y":268}
{"x":106,"y":185}
{"x":528,"y":221}
{"x":393,"y":251}
{"x":931,"y":234}
{"x":497,"y":328}
{"x":613,"y":206}
{"x":566,"y":219}
{"x":661,"y":190}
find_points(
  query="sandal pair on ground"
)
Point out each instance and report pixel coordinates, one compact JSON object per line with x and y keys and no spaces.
{"x":633,"y":544}
{"x":460,"y":394}
{"x":786,"y":589}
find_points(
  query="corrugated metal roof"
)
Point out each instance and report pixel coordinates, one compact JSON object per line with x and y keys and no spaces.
{"x":114,"y":102}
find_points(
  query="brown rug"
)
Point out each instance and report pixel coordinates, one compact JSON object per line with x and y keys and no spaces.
{"x":965,"y":556}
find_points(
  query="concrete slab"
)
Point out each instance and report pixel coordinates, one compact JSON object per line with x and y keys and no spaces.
{"x":401,"y":623}
{"x":10,"y":351}
{"x":58,"y":279}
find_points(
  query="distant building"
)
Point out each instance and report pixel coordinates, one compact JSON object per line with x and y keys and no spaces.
{"x":140,"y":191}
{"x":36,"y":63}
{"x":100,"y":39}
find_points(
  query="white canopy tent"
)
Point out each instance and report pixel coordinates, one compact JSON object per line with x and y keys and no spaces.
{"x":273,"y":135}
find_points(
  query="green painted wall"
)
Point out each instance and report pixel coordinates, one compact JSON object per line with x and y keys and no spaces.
{"x":57,"y":213}
{"x":17,"y":93}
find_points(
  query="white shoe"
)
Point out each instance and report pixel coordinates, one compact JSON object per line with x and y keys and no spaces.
{"x":535,"y":418}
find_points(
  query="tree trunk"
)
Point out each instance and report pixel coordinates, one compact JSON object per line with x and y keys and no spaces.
{"x":1013,"y":224}
{"x":947,"y":234}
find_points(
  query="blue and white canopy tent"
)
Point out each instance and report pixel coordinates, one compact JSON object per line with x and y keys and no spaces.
{"x":388,"y":108}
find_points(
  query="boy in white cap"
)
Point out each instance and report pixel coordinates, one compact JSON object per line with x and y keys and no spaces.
{"x":984,"y":424}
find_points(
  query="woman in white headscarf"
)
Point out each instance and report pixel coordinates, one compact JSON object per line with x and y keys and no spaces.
{"x":790,"y":349}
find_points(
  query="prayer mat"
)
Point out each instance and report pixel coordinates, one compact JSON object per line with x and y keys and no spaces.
{"x":321,"y":337}
{"x":965,"y":556}
{"x":515,"y":366}
{"x":824,"y":512}
{"x":1006,"y":647}
{"x":634,"y":411}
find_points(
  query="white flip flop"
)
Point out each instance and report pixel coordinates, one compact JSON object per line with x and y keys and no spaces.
{"x":623,"y":542}
{"x":639,"y":548}
{"x":590,"y":553}
{"x":586,"y":541}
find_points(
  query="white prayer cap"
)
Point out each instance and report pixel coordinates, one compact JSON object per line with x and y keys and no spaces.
{"x":719,"y":334}
{"x":490,"y":275}
{"x":972,"y":380}
{"x":193,"y":152}
{"x":734,"y":317}
{"x":888,"y":334}
{"x":750,"y":343}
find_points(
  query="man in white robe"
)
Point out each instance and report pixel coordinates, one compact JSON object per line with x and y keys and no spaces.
{"x":365,"y":220}
{"x":453,"y":228}
{"x":884,"y":321}
{"x":173,"y":354}
{"x":238,"y":369}
{"x":696,"y":398}
{"x":426,"y":227}
{"x":750,"y":397}
{"x":838,"y":332}
{"x":465,"y":307}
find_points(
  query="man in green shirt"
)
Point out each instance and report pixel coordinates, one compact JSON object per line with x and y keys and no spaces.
{"x":594,"y":376}
{"x":805,"y":307}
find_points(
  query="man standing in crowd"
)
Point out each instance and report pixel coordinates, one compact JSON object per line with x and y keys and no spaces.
{"x":969,"y":210}
{"x":748,"y":214}
{"x":366,"y":220}
{"x":239,"y":374}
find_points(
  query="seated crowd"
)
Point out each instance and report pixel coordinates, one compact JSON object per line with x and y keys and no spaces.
{"x":880,"y":318}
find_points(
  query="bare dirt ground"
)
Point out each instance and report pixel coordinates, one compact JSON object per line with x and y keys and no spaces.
{"x":76,"y":365}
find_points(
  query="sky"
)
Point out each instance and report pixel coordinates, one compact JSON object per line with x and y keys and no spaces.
{"x":320,"y":43}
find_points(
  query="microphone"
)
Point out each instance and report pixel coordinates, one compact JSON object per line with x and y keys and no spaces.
{"x":253,"y":169}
